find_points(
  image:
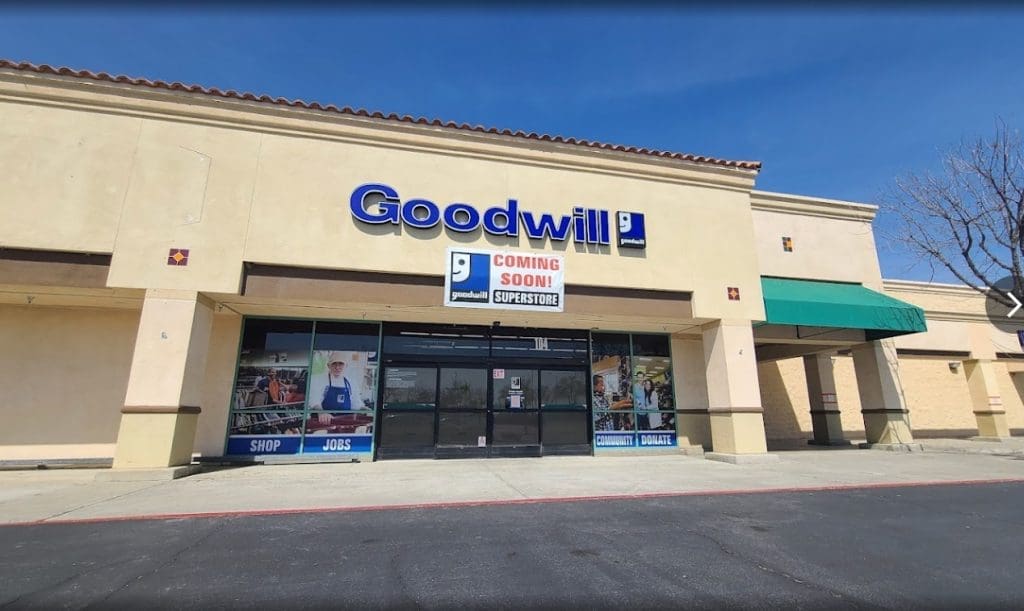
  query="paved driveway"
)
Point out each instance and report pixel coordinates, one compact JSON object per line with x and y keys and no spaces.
{"x":921,"y":547}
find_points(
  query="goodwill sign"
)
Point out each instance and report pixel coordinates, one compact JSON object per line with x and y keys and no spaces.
{"x":504,"y":280}
{"x":378,"y":204}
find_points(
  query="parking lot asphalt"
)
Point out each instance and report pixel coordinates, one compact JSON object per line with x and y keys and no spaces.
{"x":939,"y":546}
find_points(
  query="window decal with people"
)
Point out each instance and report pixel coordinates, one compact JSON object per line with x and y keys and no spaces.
{"x":631,"y":382}
{"x":304,"y":387}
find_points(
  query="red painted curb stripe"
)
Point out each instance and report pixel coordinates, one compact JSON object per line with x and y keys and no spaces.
{"x":487,"y":503}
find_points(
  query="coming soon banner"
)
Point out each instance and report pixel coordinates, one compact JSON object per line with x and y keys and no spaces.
{"x":504,"y":280}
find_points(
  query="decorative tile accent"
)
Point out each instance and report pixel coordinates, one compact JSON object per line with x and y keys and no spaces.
{"x":177,"y":257}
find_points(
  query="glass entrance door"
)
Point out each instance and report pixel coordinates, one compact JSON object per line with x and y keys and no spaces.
{"x":457,"y":410}
{"x":565,"y":421}
{"x":539,"y":411}
{"x":515,"y":413}
{"x":462,"y":412}
{"x":408,"y":412}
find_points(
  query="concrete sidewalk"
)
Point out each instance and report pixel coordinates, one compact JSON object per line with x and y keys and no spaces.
{"x":62,"y":495}
{"x":1013,"y":446}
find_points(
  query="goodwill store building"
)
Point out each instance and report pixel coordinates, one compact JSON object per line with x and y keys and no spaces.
{"x":189,"y":271}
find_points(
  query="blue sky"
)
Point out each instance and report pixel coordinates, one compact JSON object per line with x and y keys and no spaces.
{"x":835,"y":103}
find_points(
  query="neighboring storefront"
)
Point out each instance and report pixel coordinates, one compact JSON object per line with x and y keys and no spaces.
{"x":214,"y":273}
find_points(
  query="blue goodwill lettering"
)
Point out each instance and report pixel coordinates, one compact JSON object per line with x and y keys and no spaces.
{"x":376,"y":204}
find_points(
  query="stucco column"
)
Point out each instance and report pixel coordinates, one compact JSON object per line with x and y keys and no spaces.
{"x":692,"y":427}
{"x":821,"y":391}
{"x":161,"y":406}
{"x":886,"y":421}
{"x":734,"y":397}
{"x":986,"y":399}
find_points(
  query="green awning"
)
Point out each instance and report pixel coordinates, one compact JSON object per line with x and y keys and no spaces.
{"x":841,"y":305}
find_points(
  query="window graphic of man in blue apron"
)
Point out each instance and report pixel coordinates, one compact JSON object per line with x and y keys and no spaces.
{"x":339,"y":394}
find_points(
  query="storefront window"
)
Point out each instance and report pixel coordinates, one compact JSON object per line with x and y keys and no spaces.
{"x":545,"y":344}
{"x":652,"y":384}
{"x":612,"y":401}
{"x":314,"y":387}
{"x":270,"y":385}
{"x":410,"y":395}
{"x":273,"y":365}
{"x":456,"y":343}
{"x":410,"y":388}
{"x":463,"y":388}
{"x":563,"y":404}
{"x":304,"y":386}
{"x":563,"y":390}
{"x":633,"y":403}
{"x":515,"y":389}
{"x":342,"y":387}
{"x":435,"y":341}
{"x":344,"y":368}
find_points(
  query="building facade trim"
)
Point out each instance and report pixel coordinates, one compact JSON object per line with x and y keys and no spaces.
{"x":53,"y":268}
{"x":811,"y":206}
{"x":116,"y":97}
{"x":161,"y":409}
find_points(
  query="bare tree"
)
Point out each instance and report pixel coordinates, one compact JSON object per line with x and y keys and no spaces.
{"x":969,"y":218}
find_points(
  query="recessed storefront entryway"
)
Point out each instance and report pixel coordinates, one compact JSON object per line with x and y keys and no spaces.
{"x":483,"y":391}
{"x":414,"y":390}
{"x":466,"y":410}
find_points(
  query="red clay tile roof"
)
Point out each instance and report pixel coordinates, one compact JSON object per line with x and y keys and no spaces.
{"x":359,"y":112}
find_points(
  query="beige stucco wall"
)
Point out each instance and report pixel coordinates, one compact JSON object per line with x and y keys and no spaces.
{"x":688,"y":375}
{"x":1011,"y":387}
{"x":134,"y":172}
{"x":942,"y":335}
{"x":938,"y":297}
{"x":65,"y":371}
{"x":691,"y":390}
{"x":69,"y":171}
{"x":957,"y":320}
{"x":1003,"y":340}
{"x":221,"y":361}
{"x":955,"y":316}
{"x":685,"y":224}
{"x":784,"y":398}
{"x":831,"y":240}
{"x":848,"y":397}
{"x":70,"y":370}
{"x":937,"y":397}
{"x":230,"y":191}
{"x":190,"y":187}
{"x":787,"y":407}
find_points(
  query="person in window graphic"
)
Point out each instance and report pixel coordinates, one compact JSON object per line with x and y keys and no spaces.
{"x":339,"y":394}
{"x":649,"y":403}
{"x":600,"y":398}
{"x":267,"y":384}
{"x":274,"y":387}
{"x":638,"y":389}
{"x":294,"y":394}
{"x":605,"y":422}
